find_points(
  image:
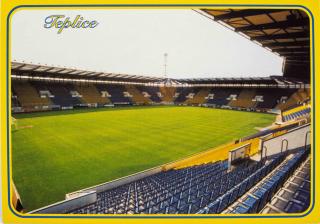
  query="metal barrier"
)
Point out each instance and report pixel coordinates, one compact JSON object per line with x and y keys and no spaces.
{"x":306,"y":139}
{"x":294,"y":138}
{"x":287,"y":143}
{"x":264,"y":149}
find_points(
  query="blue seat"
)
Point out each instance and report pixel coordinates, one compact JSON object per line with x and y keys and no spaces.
{"x":224,"y":201}
{"x":172,"y":209}
{"x":213,"y":207}
{"x":243,"y":187}
{"x":184,"y":209}
{"x":193,"y":208}
{"x":234,"y":194}
{"x":294,"y":207}
{"x":223,"y":188}
{"x":302,"y":196}
{"x":250,"y":182}
{"x":205,"y":199}
{"x":305,"y":185}
{"x":240,"y":209}
{"x":262,"y":194}
{"x":252,"y":204}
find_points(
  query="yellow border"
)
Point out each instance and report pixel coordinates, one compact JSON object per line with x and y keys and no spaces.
{"x":8,"y":216}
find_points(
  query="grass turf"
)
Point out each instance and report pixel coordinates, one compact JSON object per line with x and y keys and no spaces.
{"x":55,"y":153}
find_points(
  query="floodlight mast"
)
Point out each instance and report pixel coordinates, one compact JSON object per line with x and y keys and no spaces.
{"x":165,"y":64}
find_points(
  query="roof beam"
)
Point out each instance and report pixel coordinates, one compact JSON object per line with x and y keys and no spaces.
{"x":59,"y":70}
{"x":297,"y":58}
{"x":48,"y":69}
{"x":282,"y":36}
{"x":67,"y":73}
{"x":95,"y":74}
{"x":81,"y":73}
{"x":288,"y":54}
{"x":288,"y":44}
{"x":117,"y":76}
{"x":278,"y":25}
{"x":88,"y":74}
{"x":33,"y":69}
{"x":19,"y":66}
{"x":297,"y":62}
{"x":244,"y":13}
{"x":285,"y":50}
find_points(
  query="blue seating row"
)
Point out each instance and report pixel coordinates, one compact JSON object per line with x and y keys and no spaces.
{"x":297,"y":114}
{"x":261,"y":194}
{"x":294,"y":196}
{"x":221,"y":203}
{"x":182,"y":191}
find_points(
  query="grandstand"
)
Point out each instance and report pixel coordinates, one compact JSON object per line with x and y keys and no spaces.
{"x":204,"y":189}
{"x":265,"y":171}
{"x":27,"y":94}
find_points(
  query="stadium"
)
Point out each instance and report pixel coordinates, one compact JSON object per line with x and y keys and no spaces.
{"x":86,"y":142}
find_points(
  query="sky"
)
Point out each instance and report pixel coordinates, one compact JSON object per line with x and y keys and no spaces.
{"x":134,"y":42}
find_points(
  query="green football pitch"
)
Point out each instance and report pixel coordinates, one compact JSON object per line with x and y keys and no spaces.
{"x":54,"y":153}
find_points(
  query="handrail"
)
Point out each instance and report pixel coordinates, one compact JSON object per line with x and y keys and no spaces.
{"x":286,"y":141}
{"x":306,"y":139}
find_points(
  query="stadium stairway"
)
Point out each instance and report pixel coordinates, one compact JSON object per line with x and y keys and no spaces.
{"x":167,"y":94}
{"x":244,"y":100}
{"x":137,"y":96}
{"x":199,"y":98}
{"x":91,"y":95}
{"x":28,"y":96}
